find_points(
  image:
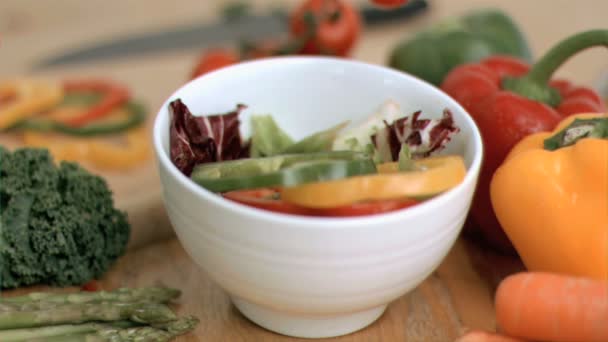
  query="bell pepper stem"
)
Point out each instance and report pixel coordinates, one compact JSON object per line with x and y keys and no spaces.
{"x":534,"y":85}
{"x":577,"y":130}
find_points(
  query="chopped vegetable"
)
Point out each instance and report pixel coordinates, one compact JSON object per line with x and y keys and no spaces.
{"x":509,"y":100}
{"x":58,"y":223}
{"x":113,"y":96}
{"x":267,"y":199}
{"x":358,"y":138}
{"x":202,"y":139}
{"x":405,"y":161}
{"x":270,"y":199}
{"x":558,"y":196}
{"x":422,"y":136}
{"x":283,"y":170}
{"x":123,"y":118}
{"x":307,"y":177}
{"x":126,"y":314}
{"x":551,"y":307}
{"x":436,"y":175}
{"x":26,"y":98}
{"x":128,"y":150}
{"x":268,"y":139}
{"x":365,"y":208}
{"x":320,"y":141}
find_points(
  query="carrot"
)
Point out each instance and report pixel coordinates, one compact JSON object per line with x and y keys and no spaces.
{"x":551,"y":307}
{"x":484,"y":336}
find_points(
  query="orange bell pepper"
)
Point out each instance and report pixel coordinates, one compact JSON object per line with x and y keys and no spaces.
{"x":434,"y":175}
{"x":551,"y":197}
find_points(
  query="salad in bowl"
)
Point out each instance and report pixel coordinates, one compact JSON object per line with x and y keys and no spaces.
{"x":386,"y":162}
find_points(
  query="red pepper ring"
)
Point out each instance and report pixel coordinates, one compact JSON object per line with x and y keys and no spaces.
{"x":115,"y":95}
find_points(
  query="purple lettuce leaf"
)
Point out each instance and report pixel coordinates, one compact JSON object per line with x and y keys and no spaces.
{"x":422,"y":136}
{"x":203,"y":139}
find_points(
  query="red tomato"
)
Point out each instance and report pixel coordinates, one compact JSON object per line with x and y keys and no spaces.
{"x":213,"y":60}
{"x":335,"y":30}
{"x":369,"y":208}
{"x":268,"y":199}
{"x":265,"y":199}
{"x":389,"y":3}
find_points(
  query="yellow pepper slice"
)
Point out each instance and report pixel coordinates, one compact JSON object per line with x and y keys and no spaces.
{"x":437,"y":175}
{"x":28,"y":97}
{"x":107,"y":155}
{"x":100,"y":153}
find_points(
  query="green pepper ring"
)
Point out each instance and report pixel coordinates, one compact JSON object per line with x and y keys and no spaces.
{"x":138,"y":116}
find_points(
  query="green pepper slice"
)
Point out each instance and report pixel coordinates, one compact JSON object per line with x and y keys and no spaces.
{"x":281,"y":170}
{"x":137,"y":116}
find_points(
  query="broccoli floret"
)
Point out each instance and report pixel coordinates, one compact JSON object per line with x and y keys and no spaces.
{"x":58,"y":224}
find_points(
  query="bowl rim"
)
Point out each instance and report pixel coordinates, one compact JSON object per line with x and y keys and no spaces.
{"x":432,"y":205}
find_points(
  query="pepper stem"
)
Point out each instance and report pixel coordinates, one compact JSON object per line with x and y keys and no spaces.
{"x":577,"y":130}
{"x":534,"y":85}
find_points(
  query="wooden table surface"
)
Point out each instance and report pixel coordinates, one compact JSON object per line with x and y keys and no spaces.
{"x":456,"y":297}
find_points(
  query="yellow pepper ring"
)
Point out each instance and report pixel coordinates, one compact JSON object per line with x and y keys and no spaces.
{"x":98,"y":152}
{"x":105,"y":155}
{"x":439,"y":174}
{"x":30,"y":97}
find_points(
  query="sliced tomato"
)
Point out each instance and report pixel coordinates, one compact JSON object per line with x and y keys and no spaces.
{"x":269,"y":199}
{"x":368,"y":208}
{"x":266,"y":198}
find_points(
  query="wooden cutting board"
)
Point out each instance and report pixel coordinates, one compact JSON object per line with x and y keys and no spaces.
{"x":458,"y":296}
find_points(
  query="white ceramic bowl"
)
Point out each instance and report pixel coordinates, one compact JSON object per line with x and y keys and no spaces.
{"x":303,"y":276}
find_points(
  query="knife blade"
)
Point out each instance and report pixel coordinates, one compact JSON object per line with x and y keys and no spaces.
{"x":197,"y":36}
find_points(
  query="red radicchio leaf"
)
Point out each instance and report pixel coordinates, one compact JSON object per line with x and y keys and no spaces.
{"x":203,"y":139}
{"x":423,"y":136}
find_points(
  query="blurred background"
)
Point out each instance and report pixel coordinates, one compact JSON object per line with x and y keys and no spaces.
{"x":31,"y":30}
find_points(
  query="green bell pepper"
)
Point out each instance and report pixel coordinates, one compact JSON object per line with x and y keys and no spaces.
{"x":432,"y":53}
{"x":281,"y":170}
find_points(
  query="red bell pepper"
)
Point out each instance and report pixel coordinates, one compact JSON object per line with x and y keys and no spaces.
{"x":509,"y":100}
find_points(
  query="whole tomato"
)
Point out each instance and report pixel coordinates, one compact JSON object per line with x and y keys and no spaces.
{"x":212,"y":60}
{"x":389,"y":3}
{"x":326,"y":27}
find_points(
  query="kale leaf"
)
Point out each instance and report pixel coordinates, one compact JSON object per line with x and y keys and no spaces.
{"x":58,"y":223}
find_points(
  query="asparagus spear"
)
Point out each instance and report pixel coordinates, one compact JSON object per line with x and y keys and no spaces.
{"x":149,"y":313}
{"x":125,"y":295}
{"x":27,"y":334}
{"x":94,"y":332}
